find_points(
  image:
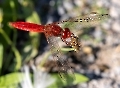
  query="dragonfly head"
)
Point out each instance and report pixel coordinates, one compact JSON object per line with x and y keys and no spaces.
{"x":74,"y":42}
{"x":71,"y":40}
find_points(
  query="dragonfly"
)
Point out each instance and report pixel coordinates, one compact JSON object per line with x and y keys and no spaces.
{"x":54,"y":30}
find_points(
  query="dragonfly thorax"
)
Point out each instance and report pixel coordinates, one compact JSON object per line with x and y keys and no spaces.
{"x":70,"y":39}
{"x":53,"y":29}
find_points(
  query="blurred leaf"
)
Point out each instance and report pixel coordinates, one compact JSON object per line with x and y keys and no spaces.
{"x":67,"y":49}
{"x":16,"y":52}
{"x":85,"y":37}
{"x":34,"y":39}
{"x":33,"y":18}
{"x":13,"y":9}
{"x":1,"y":57}
{"x":60,"y":83}
{"x":80,"y":78}
{"x":1,"y":15}
{"x":30,"y":49}
{"x":11,"y":79}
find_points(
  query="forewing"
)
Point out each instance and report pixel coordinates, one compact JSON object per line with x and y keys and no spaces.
{"x":64,"y":69}
{"x":88,"y":20}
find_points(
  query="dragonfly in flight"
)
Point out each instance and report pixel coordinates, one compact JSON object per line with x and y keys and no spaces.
{"x":54,"y":30}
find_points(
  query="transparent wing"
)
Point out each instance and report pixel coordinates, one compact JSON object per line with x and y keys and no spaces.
{"x":65,"y":70}
{"x":88,"y":20}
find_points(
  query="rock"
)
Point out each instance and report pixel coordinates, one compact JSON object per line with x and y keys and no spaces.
{"x":116,"y":26}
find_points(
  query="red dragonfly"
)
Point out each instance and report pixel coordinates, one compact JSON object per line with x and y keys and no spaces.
{"x":54,"y":30}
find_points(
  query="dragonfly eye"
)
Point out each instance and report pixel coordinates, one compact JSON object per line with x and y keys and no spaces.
{"x":73,"y":41}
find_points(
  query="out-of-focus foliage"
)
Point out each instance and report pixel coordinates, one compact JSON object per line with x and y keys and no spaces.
{"x":14,"y":52}
{"x":61,"y":83}
{"x":11,"y":56}
{"x":11,"y":80}
{"x":12,"y":11}
{"x":1,"y":57}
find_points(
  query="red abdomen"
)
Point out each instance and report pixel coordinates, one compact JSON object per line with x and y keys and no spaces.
{"x":26,"y":26}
